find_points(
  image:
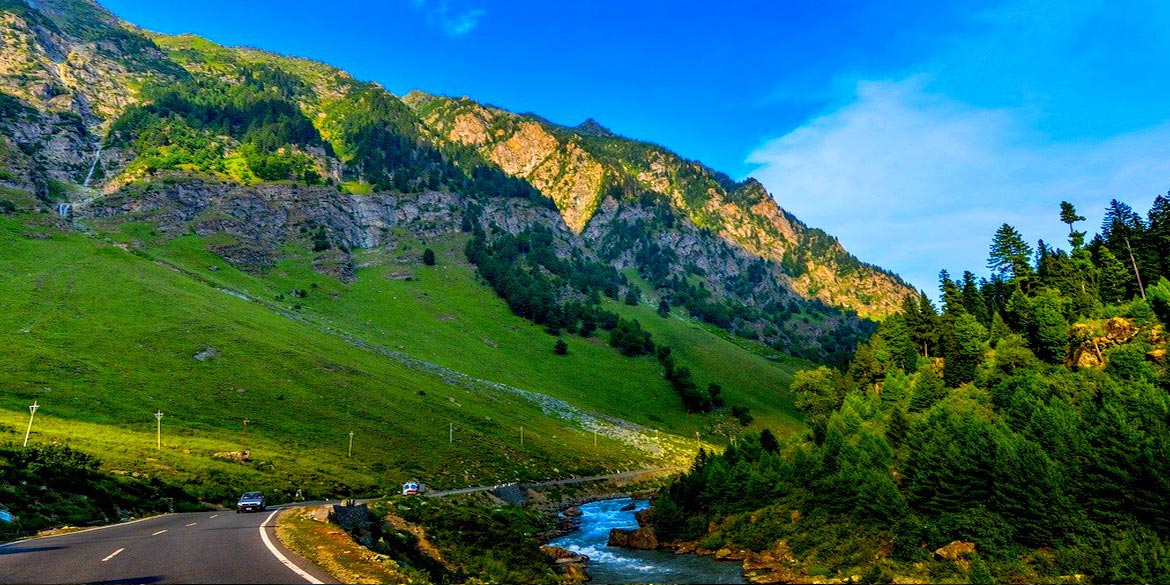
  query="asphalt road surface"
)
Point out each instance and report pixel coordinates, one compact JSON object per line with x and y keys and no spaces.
{"x":202,"y":547}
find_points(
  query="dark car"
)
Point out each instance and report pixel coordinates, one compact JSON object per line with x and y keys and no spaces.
{"x":250,"y":502}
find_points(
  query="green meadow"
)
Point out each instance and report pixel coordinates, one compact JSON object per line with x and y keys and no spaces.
{"x":103,"y":331}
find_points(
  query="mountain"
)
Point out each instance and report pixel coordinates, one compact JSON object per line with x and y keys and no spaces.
{"x":164,"y":197}
{"x":595,"y":176}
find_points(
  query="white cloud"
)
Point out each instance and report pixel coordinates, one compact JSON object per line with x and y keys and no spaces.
{"x":454,"y":22}
{"x":917,"y":182}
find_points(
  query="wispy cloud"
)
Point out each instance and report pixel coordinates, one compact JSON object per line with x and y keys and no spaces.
{"x":917,"y":182}
{"x":1039,"y":101}
{"x":453,"y":21}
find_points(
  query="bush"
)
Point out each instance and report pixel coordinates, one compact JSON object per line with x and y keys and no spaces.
{"x":429,"y":257}
{"x":743,"y":414}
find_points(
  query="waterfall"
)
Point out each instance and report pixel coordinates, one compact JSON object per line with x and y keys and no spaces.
{"x":97,"y":155}
{"x":64,"y":209}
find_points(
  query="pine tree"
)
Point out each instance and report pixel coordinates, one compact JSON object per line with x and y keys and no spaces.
{"x":663,"y":308}
{"x":922,"y":320}
{"x":963,"y":341}
{"x":897,"y":428}
{"x":428,"y":257}
{"x":1010,"y":255}
{"x":561,"y":348}
{"x":973,"y":299}
{"x":928,"y":389}
{"x":1047,"y":328}
{"x":1115,"y":280}
{"x":999,"y":328}
{"x":768,"y":441}
{"x":1158,"y":236}
{"x":1068,"y":214}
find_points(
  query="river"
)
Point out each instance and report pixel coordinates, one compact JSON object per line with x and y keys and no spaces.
{"x":620,"y":565}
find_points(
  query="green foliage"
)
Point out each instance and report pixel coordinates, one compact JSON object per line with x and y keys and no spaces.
{"x":479,"y":544}
{"x":663,"y":308}
{"x":1010,"y":256}
{"x":181,"y":123}
{"x":428,"y":257}
{"x":321,"y":239}
{"x":742,"y":414}
{"x":46,"y":486}
{"x":964,"y":342}
{"x":1049,"y":469}
{"x":630,"y":339}
{"x":1159,"y":296}
{"x":561,"y":348}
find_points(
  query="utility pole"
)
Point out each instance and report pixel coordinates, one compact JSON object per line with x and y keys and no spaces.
{"x":351,"y":444}
{"x":32,"y":411}
{"x":244,"y":437}
{"x":698,"y":445}
{"x":521,"y":436}
{"x":158,"y":415}
{"x":450,"y":432}
{"x":594,"y":437}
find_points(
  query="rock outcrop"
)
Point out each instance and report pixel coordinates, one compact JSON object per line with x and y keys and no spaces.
{"x":641,"y":538}
{"x":584,"y":170}
{"x":1091,"y":339}
{"x":955,"y":551}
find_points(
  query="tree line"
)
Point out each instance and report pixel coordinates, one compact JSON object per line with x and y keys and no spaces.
{"x":983,"y":422}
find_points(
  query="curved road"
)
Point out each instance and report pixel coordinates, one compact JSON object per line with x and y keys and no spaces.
{"x":200,"y":547}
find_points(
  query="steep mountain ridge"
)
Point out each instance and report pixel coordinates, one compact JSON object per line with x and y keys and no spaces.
{"x":580,"y":167}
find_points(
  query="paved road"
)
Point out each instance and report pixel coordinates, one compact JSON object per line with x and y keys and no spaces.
{"x":202,"y":547}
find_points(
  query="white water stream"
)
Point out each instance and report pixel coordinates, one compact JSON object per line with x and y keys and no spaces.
{"x":619,"y":565}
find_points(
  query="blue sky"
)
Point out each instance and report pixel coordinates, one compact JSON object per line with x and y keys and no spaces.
{"x":910,"y":130}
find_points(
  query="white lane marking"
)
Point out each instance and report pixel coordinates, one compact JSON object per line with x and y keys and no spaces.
{"x":159,"y":532}
{"x":113,"y":554}
{"x":16,"y":542}
{"x":192,"y":524}
{"x":214,"y":516}
{"x":283,"y":560}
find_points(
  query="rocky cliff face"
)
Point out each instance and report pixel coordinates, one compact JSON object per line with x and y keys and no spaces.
{"x":584,"y":169}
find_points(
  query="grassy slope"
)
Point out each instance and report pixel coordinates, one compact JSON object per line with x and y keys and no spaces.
{"x":445,"y":315}
{"x":102,"y":338}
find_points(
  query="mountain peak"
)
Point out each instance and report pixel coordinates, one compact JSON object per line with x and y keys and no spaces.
{"x":591,"y":127}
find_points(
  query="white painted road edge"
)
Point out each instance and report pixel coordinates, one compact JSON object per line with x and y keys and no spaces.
{"x":283,"y":560}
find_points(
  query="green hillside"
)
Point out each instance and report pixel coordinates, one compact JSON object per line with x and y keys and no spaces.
{"x":103,"y":334}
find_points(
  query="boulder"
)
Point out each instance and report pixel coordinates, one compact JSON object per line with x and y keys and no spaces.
{"x":645,"y":517}
{"x":628,"y":507}
{"x":238,"y":456}
{"x":572,"y":512}
{"x":955,"y":550}
{"x":574,"y":574}
{"x":206,"y":353}
{"x":641,"y":538}
{"x":563,"y":556}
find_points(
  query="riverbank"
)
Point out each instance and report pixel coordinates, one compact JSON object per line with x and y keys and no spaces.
{"x":613,"y":564}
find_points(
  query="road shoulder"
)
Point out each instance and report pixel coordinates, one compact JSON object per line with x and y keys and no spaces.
{"x":306,"y":532}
